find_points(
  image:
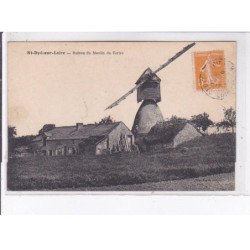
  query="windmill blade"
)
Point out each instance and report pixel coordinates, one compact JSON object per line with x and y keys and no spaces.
{"x":178,"y":54}
{"x":175,"y":57}
{"x":124,"y":96}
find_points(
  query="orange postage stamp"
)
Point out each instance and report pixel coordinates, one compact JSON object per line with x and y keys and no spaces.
{"x":209,"y":70}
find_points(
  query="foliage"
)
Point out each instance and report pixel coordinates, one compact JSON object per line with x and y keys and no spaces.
{"x":24,"y":140}
{"x":11,"y":132}
{"x":176,"y":120}
{"x":222,"y":124}
{"x":106,"y":120}
{"x":201,"y":121}
{"x":229,"y":119}
{"x":11,"y":136}
{"x":164,"y":132}
{"x":46,"y":128}
{"x":15,"y":142}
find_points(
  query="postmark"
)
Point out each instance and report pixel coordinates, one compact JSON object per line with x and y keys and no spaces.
{"x":211,"y":73}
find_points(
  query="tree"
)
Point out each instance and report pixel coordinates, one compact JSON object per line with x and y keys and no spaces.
{"x":46,"y":127}
{"x":106,"y":120}
{"x":229,"y":119}
{"x":11,"y":132}
{"x":24,"y":140}
{"x":11,"y":137}
{"x":202,"y":121}
{"x":175,"y":119}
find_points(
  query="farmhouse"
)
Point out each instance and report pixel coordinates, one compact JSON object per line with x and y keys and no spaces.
{"x":166,"y":134}
{"x":80,"y":139}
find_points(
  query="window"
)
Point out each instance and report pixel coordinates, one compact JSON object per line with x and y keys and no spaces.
{"x":130,"y":140}
{"x":70,"y":151}
{"x":44,"y":141}
{"x":50,"y":152}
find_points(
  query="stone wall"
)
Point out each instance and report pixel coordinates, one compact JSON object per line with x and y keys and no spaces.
{"x":118,"y":136}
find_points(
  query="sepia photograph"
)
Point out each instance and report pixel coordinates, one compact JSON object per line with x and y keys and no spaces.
{"x":121,"y":116}
{"x":124,"y":125}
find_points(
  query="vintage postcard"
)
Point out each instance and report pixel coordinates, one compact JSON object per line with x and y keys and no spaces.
{"x":121,"y":115}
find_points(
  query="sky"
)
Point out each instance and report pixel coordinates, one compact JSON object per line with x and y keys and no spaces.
{"x":64,"y":89}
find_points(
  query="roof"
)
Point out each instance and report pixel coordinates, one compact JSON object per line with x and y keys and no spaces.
{"x":148,"y":74}
{"x":92,"y":140}
{"x":165,"y":132}
{"x":71,"y":132}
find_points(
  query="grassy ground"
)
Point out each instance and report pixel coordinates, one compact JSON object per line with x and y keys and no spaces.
{"x":221,"y":182}
{"x":209,"y":155}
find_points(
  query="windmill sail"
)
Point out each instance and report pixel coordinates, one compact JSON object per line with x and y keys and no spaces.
{"x":154,"y":72}
{"x":122,"y":98}
{"x":126,"y":95}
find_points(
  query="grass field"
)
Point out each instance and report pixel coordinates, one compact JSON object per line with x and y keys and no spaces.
{"x":204,"y":156}
{"x":217,"y":182}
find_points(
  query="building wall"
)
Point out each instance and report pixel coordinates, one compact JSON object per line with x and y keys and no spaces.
{"x":186,"y":134}
{"x":119,"y":138}
{"x":56,"y":147}
{"x":149,"y":91}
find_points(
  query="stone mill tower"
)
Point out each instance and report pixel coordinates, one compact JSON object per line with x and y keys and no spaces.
{"x":150,"y":94}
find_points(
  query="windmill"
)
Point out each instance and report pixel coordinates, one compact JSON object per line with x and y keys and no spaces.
{"x":148,"y":91}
